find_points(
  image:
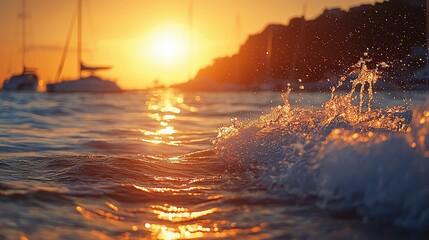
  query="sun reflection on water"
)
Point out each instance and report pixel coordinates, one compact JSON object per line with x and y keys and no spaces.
{"x":190,"y":231}
{"x":164,"y":106}
{"x":165,"y":189}
{"x":179,"y":214}
{"x":173,"y":222}
{"x":165,"y":221}
{"x":177,"y":206}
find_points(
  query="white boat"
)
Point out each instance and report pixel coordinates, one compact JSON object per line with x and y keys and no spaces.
{"x":84,"y":84}
{"x":90,"y":83}
{"x":28,"y":79}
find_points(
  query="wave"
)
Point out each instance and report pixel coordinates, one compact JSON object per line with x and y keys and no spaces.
{"x":374,"y":163}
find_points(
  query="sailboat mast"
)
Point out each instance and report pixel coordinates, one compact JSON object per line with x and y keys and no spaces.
{"x":23,"y":29}
{"x":79,"y":37}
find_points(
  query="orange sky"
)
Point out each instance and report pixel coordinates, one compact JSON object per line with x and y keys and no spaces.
{"x":143,"y":40}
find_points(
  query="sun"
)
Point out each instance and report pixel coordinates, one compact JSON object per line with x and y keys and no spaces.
{"x":167,"y":45}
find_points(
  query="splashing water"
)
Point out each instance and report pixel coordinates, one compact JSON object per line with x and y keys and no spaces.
{"x":374,"y":163}
{"x":365,"y":77}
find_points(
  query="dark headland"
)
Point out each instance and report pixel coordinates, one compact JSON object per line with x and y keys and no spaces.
{"x":322,"y":49}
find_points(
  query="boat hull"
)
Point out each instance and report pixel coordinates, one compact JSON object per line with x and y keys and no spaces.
{"x":90,"y":84}
{"x":21,"y":82}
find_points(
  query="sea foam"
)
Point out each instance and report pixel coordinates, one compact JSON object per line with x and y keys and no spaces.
{"x":374,"y":163}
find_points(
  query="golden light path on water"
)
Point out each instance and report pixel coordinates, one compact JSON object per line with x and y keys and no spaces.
{"x":168,"y":104}
{"x":179,"y":222}
{"x":178,"y":226}
{"x":167,"y":221}
{"x":165,"y":104}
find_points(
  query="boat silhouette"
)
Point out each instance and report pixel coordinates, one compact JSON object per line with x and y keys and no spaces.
{"x":90,"y":83}
{"x":28,"y":79}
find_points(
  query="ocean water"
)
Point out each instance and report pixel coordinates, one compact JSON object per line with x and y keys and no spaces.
{"x":165,"y":164}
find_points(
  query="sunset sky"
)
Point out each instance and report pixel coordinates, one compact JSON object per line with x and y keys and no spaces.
{"x":142,"y":40}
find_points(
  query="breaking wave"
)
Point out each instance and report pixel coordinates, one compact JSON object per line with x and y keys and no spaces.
{"x":373,"y":163}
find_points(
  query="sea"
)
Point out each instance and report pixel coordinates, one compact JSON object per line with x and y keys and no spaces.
{"x":167,"y":164}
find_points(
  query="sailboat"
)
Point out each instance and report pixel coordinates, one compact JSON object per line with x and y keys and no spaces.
{"x":28,"y":79}
{"x":91,"y":83}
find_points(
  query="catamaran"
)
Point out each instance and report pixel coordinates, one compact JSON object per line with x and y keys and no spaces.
{"x":90,"y":83}
{"x":28,"y":79}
